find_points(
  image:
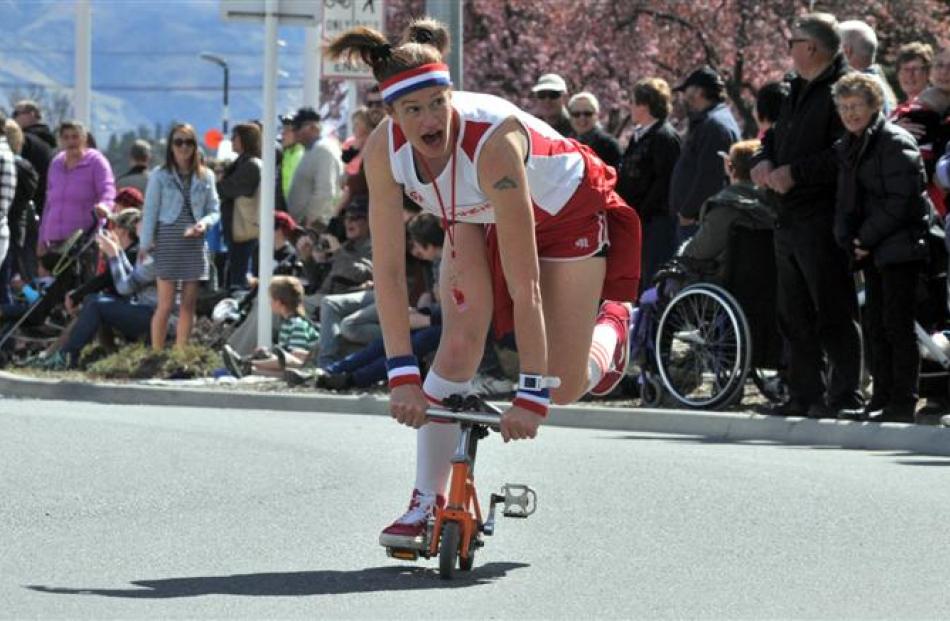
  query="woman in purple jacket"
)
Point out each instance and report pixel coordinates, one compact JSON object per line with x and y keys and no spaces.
{"x":79,"y":179}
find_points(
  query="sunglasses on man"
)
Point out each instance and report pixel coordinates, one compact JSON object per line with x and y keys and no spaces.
{"x":548,"y":95}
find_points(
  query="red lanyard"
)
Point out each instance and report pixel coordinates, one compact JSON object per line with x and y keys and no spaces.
{"x":448,"y":225}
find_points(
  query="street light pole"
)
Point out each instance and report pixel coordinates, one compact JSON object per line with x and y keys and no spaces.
{"x":214,"y":58}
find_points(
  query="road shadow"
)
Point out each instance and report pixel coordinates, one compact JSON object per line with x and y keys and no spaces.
{"x":299,"y":583}
{"x":935,"y":460}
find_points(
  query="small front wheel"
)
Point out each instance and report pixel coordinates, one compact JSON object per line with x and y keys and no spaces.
{"x":466,"y":563}
{"x":448,"y":549}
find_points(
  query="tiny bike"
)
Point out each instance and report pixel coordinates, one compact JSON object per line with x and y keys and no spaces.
{"x":456,"y":531}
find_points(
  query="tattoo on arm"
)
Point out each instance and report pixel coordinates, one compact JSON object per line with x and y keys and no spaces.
{"x":505,"y":183}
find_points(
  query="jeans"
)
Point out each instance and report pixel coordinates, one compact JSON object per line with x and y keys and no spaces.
{"x":333,"y":309}
{"x":242,"y":258}
{"x":368,"y":366}
{"x":133,"y":321}
{"x":362,"y":326}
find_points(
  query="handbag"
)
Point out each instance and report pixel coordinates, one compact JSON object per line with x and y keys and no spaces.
{"x":247,"y":217}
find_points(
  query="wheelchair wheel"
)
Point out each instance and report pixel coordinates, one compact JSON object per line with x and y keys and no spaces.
{"x":703,"y":347}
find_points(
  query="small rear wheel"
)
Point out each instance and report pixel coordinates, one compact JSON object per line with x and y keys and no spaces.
{"x":448,"y":550}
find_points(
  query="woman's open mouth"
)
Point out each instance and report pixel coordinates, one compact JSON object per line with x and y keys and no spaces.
{"x":432,"y":139}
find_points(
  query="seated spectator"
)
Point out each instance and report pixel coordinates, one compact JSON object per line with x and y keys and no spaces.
{"x":367,"y":366}
{"x":125,"y":226}
{"x":585,"y":121}
{"x":738,"y":204}
{"x":128,"y":197}
{"x":137,"y":175}
{"x":340,"y":268}
{"x":297,"y":336}
{"x":881,"y":221}
{"x":353,"y":316}
{"x":129,"y":310}
{"x":286,"y":231}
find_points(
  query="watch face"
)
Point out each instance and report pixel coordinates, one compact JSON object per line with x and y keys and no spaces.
{"x":531,"y":382}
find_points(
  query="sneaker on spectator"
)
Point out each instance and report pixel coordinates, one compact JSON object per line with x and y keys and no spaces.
{"x":489,"y":386}
{"x":298,"y":377}
{"x":945,"y":420}
{"x":334,"y":381}
{"x":408,"y":530}
{"x":235,"y":364}
{"x":54,"y":362}
{"x":617,"y":313}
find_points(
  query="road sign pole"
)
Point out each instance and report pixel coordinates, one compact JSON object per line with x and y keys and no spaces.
{"x":268,"y":176}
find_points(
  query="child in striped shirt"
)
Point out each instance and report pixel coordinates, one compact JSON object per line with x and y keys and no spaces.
{"x":297,"y":337}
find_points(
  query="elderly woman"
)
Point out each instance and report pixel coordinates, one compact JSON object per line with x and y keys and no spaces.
{"x":79,"y":180}
{"x":585,"y":120}
{"x":881,"y":219}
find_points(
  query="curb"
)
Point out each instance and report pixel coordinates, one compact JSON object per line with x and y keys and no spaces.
{"x":710,"y":426}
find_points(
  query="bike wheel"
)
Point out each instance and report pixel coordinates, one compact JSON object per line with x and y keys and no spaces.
{"x":448,"y":549}
{"x":466,"y":564}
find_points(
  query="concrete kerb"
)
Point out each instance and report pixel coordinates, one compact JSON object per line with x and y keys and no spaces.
{"x":706,"y":426}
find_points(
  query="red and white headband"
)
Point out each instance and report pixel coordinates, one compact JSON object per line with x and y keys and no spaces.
{"x":433,"y":74}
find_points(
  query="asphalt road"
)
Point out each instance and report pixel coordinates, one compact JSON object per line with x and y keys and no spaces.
{"x":142,"y":512}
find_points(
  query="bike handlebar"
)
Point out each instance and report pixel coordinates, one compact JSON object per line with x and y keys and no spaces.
{"x":467,"y":409}
{"x":489,"y":419}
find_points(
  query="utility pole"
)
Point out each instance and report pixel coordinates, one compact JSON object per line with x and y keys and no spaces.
{"x":82,"y":89}
{"x":312,"y":67}
{"x":449,"y":12}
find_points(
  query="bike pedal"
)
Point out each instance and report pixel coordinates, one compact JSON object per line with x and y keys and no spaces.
{"x":519,"y":501}
{"x":403,"y":554}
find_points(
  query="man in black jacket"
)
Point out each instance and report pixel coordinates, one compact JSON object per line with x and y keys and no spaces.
{"x":39,"y":146}
{"x":817,"y":305}
{"x":698,"y":173}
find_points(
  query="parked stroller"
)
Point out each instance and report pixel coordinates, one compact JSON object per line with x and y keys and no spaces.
{"x":28,"y":327}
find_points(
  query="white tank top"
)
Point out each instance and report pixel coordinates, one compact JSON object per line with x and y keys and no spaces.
{"x":554,"y":166}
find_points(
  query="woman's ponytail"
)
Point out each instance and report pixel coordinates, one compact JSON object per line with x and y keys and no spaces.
{"x":362,"y":44}
{"x":427,"y":31}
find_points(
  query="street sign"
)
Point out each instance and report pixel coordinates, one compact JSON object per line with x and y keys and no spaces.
{"x":289,"y":12}
{"x":341,"y":15}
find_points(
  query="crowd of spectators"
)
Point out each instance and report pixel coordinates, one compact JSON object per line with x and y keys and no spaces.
{"x":849,"y":170}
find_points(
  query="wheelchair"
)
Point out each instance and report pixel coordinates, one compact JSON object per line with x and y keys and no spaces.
{"x":700,"y":341}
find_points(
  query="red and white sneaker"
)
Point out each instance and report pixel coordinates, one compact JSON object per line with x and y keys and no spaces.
{"x":618,"y":315}
{"x":408,"y":530}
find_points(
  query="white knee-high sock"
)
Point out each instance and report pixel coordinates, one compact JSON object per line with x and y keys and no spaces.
{"x":436,"y":442}
{"x":601,"y":356}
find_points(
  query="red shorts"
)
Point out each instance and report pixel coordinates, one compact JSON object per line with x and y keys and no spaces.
{"x":594,"y":217}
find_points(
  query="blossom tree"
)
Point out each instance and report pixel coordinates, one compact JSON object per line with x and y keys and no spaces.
{"x":605,"y":46}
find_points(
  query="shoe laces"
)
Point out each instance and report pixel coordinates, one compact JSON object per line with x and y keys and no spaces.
{"x":420,"y":508}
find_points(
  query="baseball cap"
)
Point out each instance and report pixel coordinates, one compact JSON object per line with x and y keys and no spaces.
{"x":305,"y":115}
{"x":705,"y":76}
{"x":550,"y":82}
{"x":285,"y":222}
{"x":129,"y":197}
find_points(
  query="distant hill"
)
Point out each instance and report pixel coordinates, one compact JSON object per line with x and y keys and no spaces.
{"x":146,"y":71}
